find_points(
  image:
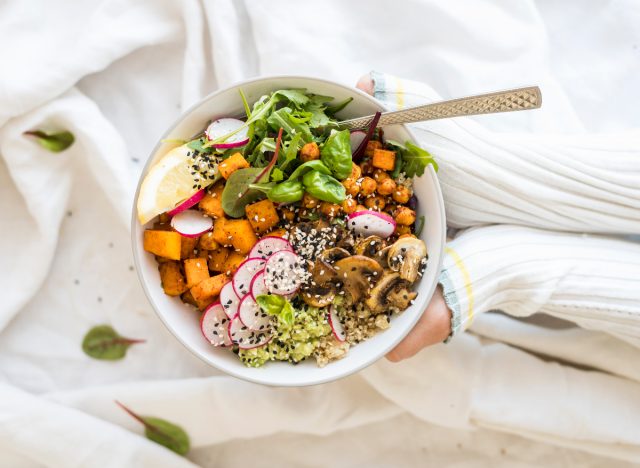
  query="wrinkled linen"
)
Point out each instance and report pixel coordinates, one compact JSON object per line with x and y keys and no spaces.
{"x":117,"y":73}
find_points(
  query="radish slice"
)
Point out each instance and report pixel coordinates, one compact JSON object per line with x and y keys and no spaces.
{"x":269,"y":245}
{"x":191,"y":223}
{"x":229,"y":300}
{"x":284,"y":273}
{"x":336,"y":325}
{"x":245,"y":273}
{"x":214,"y":325}
{"x":245,"y":338}
{"x":221,"y":127}
{"x":252,"y":315}
{"x":258,"y":286}
{"x":188,"y":203}
{"x":371,"y":223}
{"x":357,"y":137}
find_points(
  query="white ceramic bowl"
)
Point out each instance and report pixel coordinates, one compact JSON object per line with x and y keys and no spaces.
{"x":183,"y":321}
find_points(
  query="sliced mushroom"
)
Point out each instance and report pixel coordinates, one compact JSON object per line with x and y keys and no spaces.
{"x":319,"y":296}
{"x":358,"y":274}
{"x":390,"y":292}
{"x":334,"y":254}
{"x":322,"y":272}
{"x":406,"y":256}
{"x":369,"y":246}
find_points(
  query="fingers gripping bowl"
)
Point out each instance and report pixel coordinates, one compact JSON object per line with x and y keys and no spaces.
{"x":182,"y":228}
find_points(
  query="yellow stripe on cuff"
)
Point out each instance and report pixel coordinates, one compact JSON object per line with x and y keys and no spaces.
{"x":467,"y":280}
{"x":399,"y":93}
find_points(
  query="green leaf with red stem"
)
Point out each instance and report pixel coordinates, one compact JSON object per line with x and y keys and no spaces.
{"x":162,"y":432}
{"x":103,"y":342}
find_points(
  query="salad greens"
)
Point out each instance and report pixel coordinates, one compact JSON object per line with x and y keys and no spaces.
{"x":324,"y":187}
{"x":336,"y":154}
{"x":55,"y":142}
{"x":411,"y":159}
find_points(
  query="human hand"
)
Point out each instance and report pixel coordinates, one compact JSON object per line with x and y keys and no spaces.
{"x":435,"y":324}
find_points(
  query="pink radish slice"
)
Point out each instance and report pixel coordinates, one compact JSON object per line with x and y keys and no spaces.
{"x":356,"y":137}
{"x":336,"y":325}
{"x":214,"y":325}
{"x":229,"y":300}
{"x":188,"y":203}
{"x":269,"y":245}
{"x":371,"y":223}
{"x":221,"y":127}
{"x":191,"y":223}
{"x":252,"y":315}
{"x":284,"y":272}
{"x":258,"y":286}
{"x":245,"y":338}
{"x":244,"y":274}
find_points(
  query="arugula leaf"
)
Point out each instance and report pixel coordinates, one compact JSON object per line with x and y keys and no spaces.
{"x":103,"y":342}
{"x":297,"y":97}
{"x":199,"y":145}
{"x":414,"y":159}
{"x":283,"y":118}
{"x":278,"y":306}
{"x":237,"y":192}
{"x":336,"y":154}
{"x":338,"y":106}
{"x":291,"y":152}
{"x":162,"y":432}
{"x":277,"y":175}
{"x":54,"y":142}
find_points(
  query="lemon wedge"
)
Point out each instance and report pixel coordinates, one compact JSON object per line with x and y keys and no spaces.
{"x":167,"y":183}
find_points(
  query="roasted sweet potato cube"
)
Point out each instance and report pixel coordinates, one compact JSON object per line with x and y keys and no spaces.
{"x":384,"y":159}
{"x":163,"y":243}
{"x":207,"y":242}
{"x":231,"y":164}
{"x":206,"y":291}
{"x":196,"y":270}
{"x":187,"y":246}
{"x":217,"y":259}
{"x":211,"y":204}
{"x":278,"y":233}
{"x":219,"y":234}
{"x":171,"y":278}
{"x":372,"y":145}
{"x":262,"y":215}
{"x":232,"y":262}
{"x":187,"y":298}
{"x":240,"y":234}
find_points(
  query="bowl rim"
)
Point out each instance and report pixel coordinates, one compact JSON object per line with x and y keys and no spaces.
{"x":137,"y":252}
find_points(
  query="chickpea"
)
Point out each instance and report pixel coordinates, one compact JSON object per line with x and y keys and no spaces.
{"x":329,"y":209}
{"x":289,"y":215}
{"x":309,"y":201}
{"x":387,"y":186}
{"x":368,"y":186}
{"x":405,"y":216}
{"x":366,"y":166}
{"x":401,"y":194}
{"x":356,"y":172}
{"x":349,"y":205}
{"x":351,"y":186}
{"x":380,"y":175}
{"x":309,"y":152}
{"x":375,"y":203}
{"x":403,"y":231}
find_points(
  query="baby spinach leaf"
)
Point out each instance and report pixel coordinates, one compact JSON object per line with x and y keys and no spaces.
{"x":237,"y":194}
{"x":103,"y":342}
{"x":324,"y":187}
{"x":303,"y":168}
{"x":162,"y":432}
{"x":55,"y":142}
{"x":336,"y":154}
{"x":286,"y":192}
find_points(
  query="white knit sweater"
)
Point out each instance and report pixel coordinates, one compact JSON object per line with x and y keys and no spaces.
{"x":502,"y":190}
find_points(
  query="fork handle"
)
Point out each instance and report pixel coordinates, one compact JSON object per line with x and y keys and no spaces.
{"x":502,"y":101}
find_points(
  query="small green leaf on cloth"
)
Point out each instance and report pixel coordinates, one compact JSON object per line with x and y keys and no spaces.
{"x":55,"y":142}
{"x":103,"y":342}
{"x":162,"y":432}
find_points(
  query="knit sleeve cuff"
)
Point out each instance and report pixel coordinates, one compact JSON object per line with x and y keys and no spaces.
{"x":398,"y":93}
{"x":457,"y":291}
